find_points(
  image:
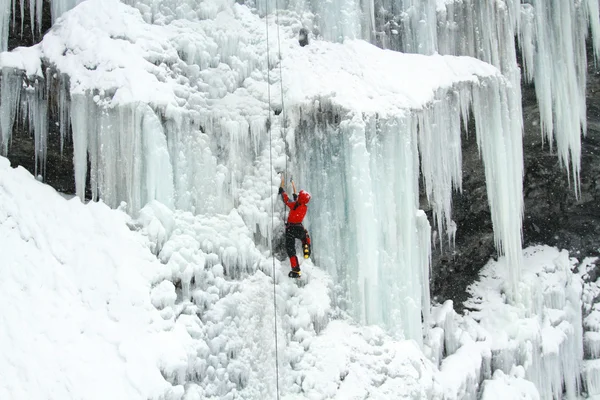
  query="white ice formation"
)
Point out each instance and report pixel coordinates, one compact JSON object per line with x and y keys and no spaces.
{"x":202,"y":335}
{"x":178,"y":113}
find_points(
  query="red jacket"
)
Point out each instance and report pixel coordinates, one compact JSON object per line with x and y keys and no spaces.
{"x":297,"y":208}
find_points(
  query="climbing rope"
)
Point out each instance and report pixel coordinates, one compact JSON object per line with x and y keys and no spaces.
{"x":283,"y":119}
{"x":272,"y":200}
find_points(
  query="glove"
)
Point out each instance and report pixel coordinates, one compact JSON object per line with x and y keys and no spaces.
{"x":280,"y":190}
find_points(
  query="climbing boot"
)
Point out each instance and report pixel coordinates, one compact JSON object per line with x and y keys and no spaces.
{"x":295,"y":273}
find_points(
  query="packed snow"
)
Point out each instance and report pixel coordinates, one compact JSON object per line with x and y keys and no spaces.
{"x":86,"y":302}
{"x":178,"y":306}
{"x":77,"y":320}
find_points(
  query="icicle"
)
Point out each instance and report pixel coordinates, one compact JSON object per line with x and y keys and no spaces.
{"x":63,"y":111}
{"x":41,"y":128}
{"x":127,"y":153}
{"x":591,"y":377}
{"x":130,"y":154}
{"x":37,"y":116}
{"x":158,"y":179}
{"x":419,"y":21}
{"x":10,"y":93}
{"x":79,"y":117}
{"x":59,"y":7}
{"x":368,"y":12}
{"x":559,"y":75}
{"x":110,"y":169}
{"x":441,"y":155}
{"x":424,"y":246}
{"x":22,"y":9}
{"x":4,"y":23}
{"x":39,"y":6}
{"x":594,"y":21}
{"x":32,"y":8}
{"x":527,"y":40}
{"x":500,"y":143}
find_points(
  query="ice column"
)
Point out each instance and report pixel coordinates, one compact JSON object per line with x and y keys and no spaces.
{"x":500,"y":143}
{"x":127,"y":152}
{"x":363,"y":218}
{"x":10,"y":94}
{"x":37,"y":113}
{"x":80,"y":116}
{"x":59,"y":7}
{"x":395,"y":154}
{"x":441,"y":153}
{"x":5,"y":6}
{"x":364,"y":173}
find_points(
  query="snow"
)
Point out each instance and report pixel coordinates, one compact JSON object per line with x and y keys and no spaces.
{"x":521,"y":351}
{"x":506,"y":387}
{"x":174,"y":305}
{"x":591,"y":375}
{"x":544,"y":335}
{"x":75,"y":305}
{"x":85,"y":302}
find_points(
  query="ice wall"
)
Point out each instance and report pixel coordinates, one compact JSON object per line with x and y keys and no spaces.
{"x":177,"y":111}
{"x":366,"y":167}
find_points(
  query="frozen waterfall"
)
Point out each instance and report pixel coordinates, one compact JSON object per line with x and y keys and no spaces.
{"x":177,"y":103}
{"x":178,"y":113}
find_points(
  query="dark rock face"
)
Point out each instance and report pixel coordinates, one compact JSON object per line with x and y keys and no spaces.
{"x":303,"y":37}
{"x":553,"y":215}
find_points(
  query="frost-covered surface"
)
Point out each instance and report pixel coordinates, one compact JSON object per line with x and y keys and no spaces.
{"x":546,"y":337}
{"x":500,"y":350}
{"x":76,"y":313}
{"x":588,"y":271}
{"x":178,"y":306}
{"x":176,"y":110}
{"x":85,"y":302}
{"x":505,"y":387}
{"x":233,"y":321}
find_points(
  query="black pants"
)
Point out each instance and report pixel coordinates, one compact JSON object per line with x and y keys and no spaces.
{"x":293,"y":232}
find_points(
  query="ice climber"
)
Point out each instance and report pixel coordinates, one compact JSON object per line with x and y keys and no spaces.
{"x":294,"y":228}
